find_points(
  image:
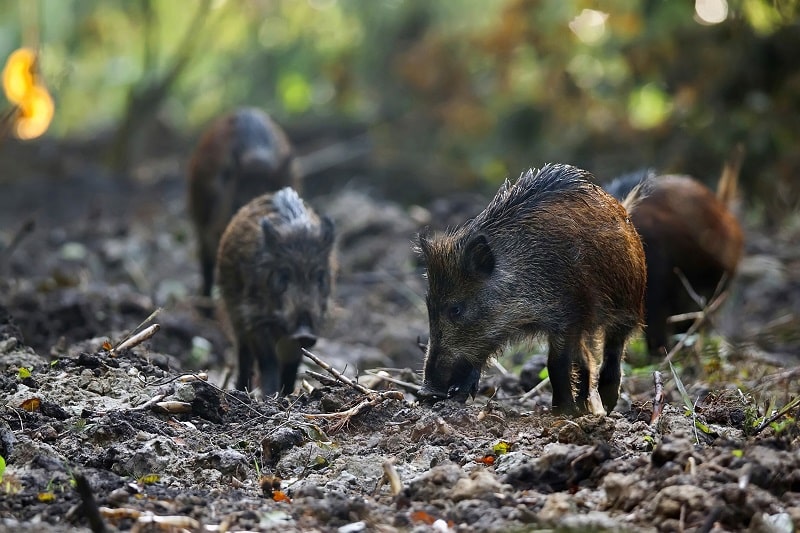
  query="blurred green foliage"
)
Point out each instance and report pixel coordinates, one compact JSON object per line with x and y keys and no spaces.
{"x":455,"y":94}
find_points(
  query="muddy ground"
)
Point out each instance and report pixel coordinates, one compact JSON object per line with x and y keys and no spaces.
{"x":163,"y":451}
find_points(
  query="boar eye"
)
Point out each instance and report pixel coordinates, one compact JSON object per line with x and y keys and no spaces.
{"x":455,"y":311}
{"x":279,"y":280}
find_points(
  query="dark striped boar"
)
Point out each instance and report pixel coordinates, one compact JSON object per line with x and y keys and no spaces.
{"x":552,"y":254}
{"x":685,"y":227}
{"x":275,"y":272}
{"x":240,"y":156}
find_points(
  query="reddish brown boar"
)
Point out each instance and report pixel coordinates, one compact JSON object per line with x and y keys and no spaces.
{"x":552,"y":254}
{"x":240,"y":156}
{"x":275,"y":271}
{"x":685,"y":228}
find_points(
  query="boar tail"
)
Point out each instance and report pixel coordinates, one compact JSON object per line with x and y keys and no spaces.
{"x":728,"y":186}
{"x":637,"y":194}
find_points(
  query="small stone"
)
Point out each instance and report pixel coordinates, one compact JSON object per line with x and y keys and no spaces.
{"x":355,"y":527}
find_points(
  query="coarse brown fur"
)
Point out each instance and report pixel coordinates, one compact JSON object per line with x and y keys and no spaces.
{"x":241,"y":155}
{"x":275,"y":271}
{"x":552,"y":254}
{"x":685,"y":229}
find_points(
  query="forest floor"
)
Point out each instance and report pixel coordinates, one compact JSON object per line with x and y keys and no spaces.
{"x":156,"y":449}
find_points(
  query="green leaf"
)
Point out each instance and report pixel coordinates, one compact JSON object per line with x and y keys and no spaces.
{"x":313,"y":432}
{"x":24,"y":373}
{"x":2,"y":467}
{"x":687,"y":401}
{"x":737,"y":453}
{"x":502,"y":447}
{"x":702,"y":427}
{"x":543,"y":374}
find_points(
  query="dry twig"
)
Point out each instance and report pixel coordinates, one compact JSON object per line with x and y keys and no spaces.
{"x":335,"y":373}
{"x":88,"y":504}
{"x":149,"y":403}
{"x":372,"y":397}
{"x":539,"y":386}
{"x":716,"y":301}
{"x":658,"y":400}
{"x":390,"y":475}
{"x":778,"y":414}
{"x":136,"y":340}
{"x":413,"y":387}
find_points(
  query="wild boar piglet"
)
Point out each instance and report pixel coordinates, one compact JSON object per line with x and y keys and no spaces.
{"x":275,"y":271}
{"x":552,"y":254}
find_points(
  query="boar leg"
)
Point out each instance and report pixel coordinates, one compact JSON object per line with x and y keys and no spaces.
{"x":244,"y":379}
{"x":288,"y":376}
{"x":564,"y":352}
{"x":610,"y":375}
{"x":289,"y":357}
{"x":658,"y":295}
{"x":207,"y":269}
{"x":656,"y":320}
{"x":268,"y":368}
{"x":584,"y":373}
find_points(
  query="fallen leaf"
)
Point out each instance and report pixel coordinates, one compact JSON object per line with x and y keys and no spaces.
{"x":31,"y":404}
{"x":149,"y":479}
{"x":280,"y":496}
{"x":422,"y":516}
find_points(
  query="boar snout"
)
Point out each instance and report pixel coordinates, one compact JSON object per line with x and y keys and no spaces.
{"x":304,"y":332}
{"x":455,"y":384}
{"x":304,"y":337}
{"x":258,"y":160}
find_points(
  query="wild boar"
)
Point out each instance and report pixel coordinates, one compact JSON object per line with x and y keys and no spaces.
{"x":552,"y":254}
{"x":242,"y":155}
{"x":275,"y":272}
{"x":686,"y":230}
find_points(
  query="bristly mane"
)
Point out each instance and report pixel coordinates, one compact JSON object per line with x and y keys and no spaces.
{"x":621,"y":186}
{"x":290,"y":208}
{"x":248,"y":125}
{"x":533,"y":189}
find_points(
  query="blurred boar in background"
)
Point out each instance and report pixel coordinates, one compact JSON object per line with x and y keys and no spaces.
{"x":275,"y":272}
{"x":240,"y":156}
{"x":552,"y":254}
{"x":686,"y":230}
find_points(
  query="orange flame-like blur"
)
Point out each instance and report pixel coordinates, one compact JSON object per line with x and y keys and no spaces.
{"x":22,"y":86}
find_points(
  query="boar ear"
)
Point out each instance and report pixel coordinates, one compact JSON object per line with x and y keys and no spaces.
{"x":423,"y":245}
{"x":327,"y":231}
{"x":478,"y":256}
{"x":271,"y":235}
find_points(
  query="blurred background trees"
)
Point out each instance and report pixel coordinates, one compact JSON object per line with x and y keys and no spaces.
{"x":453,"y":95}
